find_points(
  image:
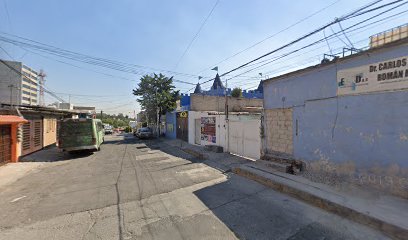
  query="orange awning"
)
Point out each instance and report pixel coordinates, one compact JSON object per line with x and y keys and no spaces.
{"x":9,"y":119}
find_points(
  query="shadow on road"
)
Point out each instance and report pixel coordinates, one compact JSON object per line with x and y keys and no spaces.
{"x":53,"y":154}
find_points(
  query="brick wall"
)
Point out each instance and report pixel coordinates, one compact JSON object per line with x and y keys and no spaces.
{"x":201,"y":102}
{"x":278,"y":131}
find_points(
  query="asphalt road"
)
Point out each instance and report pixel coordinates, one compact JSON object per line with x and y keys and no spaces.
{"x":135,"y":189}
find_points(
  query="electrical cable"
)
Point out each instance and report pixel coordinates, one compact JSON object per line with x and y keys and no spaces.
{"x":271,"y":36}
{"x":351,"y":15}
{"x":196,"y":35}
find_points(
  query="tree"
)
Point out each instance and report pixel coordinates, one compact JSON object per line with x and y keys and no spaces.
{"x":156,"y":96}
{"x":236,"y":92}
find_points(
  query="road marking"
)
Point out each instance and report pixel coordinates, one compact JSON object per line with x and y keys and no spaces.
{"x":16,"y":199}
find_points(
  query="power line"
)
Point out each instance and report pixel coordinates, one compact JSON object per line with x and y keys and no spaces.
{"x":273,"y":35}
{"x":196,"y":35}
{"x":87,"y":69}
{"x":331,"y":36}
{"x":75,"y":56}
{"x":348,"y":16}
{"x":4,"y":50}
{"x":19,"y":73}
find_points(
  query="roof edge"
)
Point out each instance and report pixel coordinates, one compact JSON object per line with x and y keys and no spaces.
{"x":339,"y":60}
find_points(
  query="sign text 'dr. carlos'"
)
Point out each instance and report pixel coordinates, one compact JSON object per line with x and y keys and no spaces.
{"x":390,"y":70}
{"x":386,"y":75}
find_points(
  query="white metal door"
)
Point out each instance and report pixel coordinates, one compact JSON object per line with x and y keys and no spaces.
{"x":197,"y":139}
{"x":244,"y":138}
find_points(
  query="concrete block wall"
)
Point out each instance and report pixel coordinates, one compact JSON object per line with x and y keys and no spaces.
{"x":199,"y":102}
{"x":278,"y":131}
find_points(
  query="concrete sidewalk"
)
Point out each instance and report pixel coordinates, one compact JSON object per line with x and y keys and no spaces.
{"x":385,"y":213}
{"x":221,"y":161}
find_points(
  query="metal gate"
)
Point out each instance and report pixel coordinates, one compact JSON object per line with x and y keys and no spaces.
{"x":5,"y":144}
{"x":244,"y":138}
{"x":32,"y":136}
{"x":182,"y":125}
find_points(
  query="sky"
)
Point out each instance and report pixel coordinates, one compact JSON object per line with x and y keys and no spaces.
{"x":155,"y":34}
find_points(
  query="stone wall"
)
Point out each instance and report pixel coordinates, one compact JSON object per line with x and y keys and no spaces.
{"x":278,"y":131}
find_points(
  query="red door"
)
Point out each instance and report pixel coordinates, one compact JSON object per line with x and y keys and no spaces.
{"x":5,"y":144}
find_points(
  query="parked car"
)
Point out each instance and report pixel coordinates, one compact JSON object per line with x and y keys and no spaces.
{"x":80,"y":134}
{"x":144,"y":133}
{"x":108,"y":129}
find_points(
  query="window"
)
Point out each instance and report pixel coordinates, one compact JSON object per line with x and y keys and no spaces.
{"x":26,"y":80}
{"x":25,"y":92}
{"x":26,"y":86}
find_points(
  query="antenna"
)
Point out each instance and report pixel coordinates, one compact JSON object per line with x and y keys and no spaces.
{"x":42,"y":76}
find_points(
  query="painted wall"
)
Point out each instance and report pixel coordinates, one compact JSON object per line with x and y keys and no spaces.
{"x":367,"y":129}
{"x":49,"y":131}
{"x":350,"y":134}
{"x":185,"y":102}
{"x":220,"y":132}
{"x":171,"y":125}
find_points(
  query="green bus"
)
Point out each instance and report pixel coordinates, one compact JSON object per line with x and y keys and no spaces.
{"x":80,"y":134}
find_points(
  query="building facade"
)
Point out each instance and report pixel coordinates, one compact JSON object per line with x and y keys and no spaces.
{"x":19,"y":84}
{"x":346,"y":118}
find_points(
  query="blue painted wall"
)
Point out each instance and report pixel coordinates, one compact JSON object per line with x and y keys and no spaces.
{"x":185,"y":102}
{"x":369,"y":130}
{"x":171,"y":119}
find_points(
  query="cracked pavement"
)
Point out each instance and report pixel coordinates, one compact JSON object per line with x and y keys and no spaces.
{"x":135,"y":189}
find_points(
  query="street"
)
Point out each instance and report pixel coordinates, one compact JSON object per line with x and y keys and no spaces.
{"x":134,"y":189}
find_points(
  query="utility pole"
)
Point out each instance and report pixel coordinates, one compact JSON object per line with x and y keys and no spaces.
{"x":226,"y":99}
{"x":101,"y":115}
{"x":157,"y":116}
{"x":42,"y":76}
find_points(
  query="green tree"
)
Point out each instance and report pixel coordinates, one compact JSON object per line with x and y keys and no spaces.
{"x":156,"y":95}
{"x":236,"y":92}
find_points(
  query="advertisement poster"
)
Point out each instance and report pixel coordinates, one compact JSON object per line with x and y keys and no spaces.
{"x":382,"y":76}
{"x":208,"y":129}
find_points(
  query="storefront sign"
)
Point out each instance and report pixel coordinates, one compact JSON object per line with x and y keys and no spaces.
{"x":182,"y":114}
{"x":208,"y":129}
{"x":381,"y":76}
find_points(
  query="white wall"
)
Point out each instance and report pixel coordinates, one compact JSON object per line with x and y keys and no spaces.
{"x":220,"y":132}
{"x":250,"y":144}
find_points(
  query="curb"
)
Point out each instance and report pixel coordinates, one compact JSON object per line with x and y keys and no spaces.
{"x":195,"y":153}
{"x":390,"y":229}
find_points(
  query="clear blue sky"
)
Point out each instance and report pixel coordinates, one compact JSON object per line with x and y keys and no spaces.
{"x":156,"y":33}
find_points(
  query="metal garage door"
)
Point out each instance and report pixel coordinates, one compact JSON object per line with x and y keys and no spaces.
{"x":244,"y":138}
{"x":5,"y":144}
{"x":32,"y":136}
{"x":182,"y":125}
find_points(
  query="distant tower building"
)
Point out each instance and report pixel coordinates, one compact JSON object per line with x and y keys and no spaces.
{"x":18,"y":84}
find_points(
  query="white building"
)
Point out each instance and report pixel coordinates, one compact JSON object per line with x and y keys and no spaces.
{"x":18,"y":84}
